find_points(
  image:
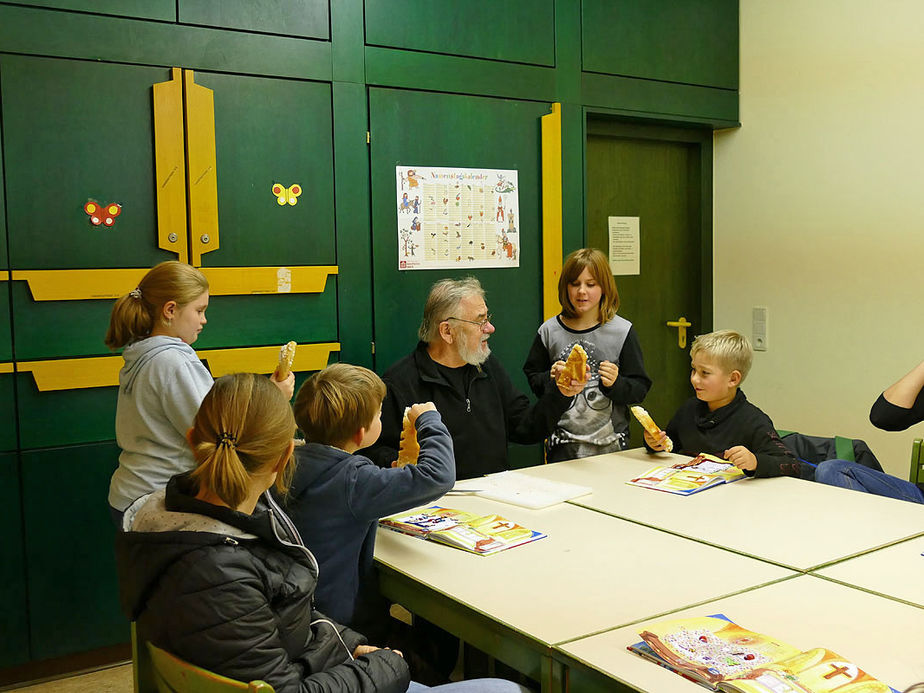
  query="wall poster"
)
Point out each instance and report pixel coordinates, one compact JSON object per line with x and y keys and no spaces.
{"x":450,"y":218}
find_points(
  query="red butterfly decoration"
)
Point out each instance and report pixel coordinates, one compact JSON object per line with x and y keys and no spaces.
{"x":102,"y":214}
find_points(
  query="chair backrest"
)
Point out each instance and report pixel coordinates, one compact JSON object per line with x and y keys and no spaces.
{"x":917,"y":462}
{"x":142,"y":669}
{"x":170,"y":674}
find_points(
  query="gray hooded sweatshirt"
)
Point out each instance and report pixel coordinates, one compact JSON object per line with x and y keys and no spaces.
{"x":161,"y":387}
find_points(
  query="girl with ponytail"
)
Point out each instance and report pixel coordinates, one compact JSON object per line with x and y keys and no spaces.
{"x":162,"y":382}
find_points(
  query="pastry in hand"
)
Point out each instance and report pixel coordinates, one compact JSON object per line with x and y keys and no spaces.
{"x":408,"y":448}
{"x":286,"y":357}
{"x":649,"y":425}
{"x":575,"y":367}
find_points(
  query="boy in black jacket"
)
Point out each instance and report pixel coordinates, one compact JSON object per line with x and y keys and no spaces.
{"x":337,"y":497}
{"x":719,"y":420}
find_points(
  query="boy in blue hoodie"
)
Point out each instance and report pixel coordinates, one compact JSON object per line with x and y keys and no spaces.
{"x":337,"y":497}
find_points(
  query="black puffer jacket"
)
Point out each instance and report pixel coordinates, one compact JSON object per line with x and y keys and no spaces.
{"x":233,"y":593}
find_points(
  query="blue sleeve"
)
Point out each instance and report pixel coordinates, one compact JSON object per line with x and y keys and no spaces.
{"x":375,"y":492}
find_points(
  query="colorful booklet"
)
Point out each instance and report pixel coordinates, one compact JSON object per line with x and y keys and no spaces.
{"x":481,"y":534}
{"x":702,"y":472}
{"x":722,"y":656}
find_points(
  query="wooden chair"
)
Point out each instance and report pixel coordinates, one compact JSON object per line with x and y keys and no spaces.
{"x":917,"y":462}
{"x":174,"y":675}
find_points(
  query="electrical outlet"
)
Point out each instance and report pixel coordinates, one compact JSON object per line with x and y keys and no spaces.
{"x":759,"y":328}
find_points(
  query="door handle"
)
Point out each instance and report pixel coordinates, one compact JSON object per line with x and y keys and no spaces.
{"x":681,"y":324}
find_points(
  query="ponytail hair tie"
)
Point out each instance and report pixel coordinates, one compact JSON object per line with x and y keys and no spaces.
{"x":228,"y":439}
{"x":135,"y":293}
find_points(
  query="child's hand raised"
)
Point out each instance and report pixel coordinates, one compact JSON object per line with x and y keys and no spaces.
{"x":608,"y":373}
{"x":741,"y":457}
{"x":286,"y":386}
{"x":657,"y":443}
{"x":556,"y":370}
{"x":416,"y":410}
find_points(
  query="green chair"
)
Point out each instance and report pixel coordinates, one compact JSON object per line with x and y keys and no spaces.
{"x":142,"y":669}
{"x":917,"y":462}
{"x":174,"y":675}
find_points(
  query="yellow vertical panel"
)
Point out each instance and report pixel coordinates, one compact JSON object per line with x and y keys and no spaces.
{"x":202,"y":179}
{"x":551,"y":210}
{"x":170,"y":166}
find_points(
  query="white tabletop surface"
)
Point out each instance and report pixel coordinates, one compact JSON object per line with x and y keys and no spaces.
{"x":883,"y":637}
{"x":592,"y":572}
{"x":896,"y":571}
{"x":795,"y":523}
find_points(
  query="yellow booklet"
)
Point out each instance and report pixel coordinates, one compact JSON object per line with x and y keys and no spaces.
{"x":481,"y":534}
{"x":723,"y":656}
{"x":691,"y":476}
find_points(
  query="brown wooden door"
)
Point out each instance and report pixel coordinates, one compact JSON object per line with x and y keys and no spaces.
{"x":663,"y":176}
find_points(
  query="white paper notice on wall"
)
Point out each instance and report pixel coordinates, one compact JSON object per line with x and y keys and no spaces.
{"x":625,"y":250}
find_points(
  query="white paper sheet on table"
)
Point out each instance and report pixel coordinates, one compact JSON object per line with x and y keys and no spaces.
{"x":524,"y":490}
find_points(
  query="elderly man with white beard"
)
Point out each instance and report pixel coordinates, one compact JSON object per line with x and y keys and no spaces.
{"x":452,"y":367}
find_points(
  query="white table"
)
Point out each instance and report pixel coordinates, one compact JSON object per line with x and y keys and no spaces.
{"x":896,"y":571}
{"x":883,"y":637}
{"x":593,"y":572}
{"x":794,"y":523}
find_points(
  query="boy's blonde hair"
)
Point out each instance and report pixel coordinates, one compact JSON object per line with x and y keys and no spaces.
{"x":243,"y":425}
{"x":595,"y":261}
{"x":333,"y":404}
{"x":731,"y":350}
{"x":443,"y":302}
{"x":134,"y":315}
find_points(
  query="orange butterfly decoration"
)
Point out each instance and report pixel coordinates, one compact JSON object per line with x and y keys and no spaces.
{"x":102,"y":214}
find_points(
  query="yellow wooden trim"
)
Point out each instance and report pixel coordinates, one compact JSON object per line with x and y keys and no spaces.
{"x":103,"y":371}
{"x":7,"y":368}
{"x":551,"y":210}
{"x":308,"y":357}
{"x":170,"y":166}
{"x":235,"y":281}
{"x":202,"y":179}
{"x":79,"y":285}
{"x":73,"y":374}
{"x":4,"y":276}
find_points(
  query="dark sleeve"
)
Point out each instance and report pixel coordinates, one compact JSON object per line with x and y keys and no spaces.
{"x":528,"y":423}
{"x":891,"y":417}
{"x":632,"y":383}
{"x":773,"y":457}
{"x":375,"y":492}
{"x":236,"y":636}
{"x":537,"y":367}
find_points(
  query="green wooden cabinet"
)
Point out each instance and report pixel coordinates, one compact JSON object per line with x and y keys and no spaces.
{"x":63,"y":417}
{"x":516,"y":31}
{"x":14,"y":645}
{"x":305,"y":18}
{"x":272,"y":131}
{"x":8,"y":440}
{"x":164,"y":10}
{"x":683,"y":41}
{"x":70,"y":562}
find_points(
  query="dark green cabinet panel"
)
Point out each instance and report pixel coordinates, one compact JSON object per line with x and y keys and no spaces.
{"x":79,"y":326}
{"x":6,"y":340}
{"x":75,"y":131}
{"x":272,"y":131}
{"x":688,"y":41}
{"x":144,"y":9}
{"x":306,"y":18}
{"x":520,"y":31}
{"x":70,"y":563}
{"x":63,"y":417}
{"x":8,"y":419}
{"x":448,"y":130}
{"x":14,"y":645}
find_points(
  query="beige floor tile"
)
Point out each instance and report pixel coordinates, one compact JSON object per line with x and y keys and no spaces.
{"x":117,"y":679}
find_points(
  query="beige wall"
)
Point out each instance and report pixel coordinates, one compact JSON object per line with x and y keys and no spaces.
{"x":819,"y":210}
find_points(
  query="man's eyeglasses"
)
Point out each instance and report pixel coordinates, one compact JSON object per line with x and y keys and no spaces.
{"x":480,"y":323}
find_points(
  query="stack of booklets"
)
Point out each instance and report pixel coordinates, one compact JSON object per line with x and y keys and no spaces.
{"x":481,"y":534}
{"x":684,"y":478}
{"x":721,"y":655}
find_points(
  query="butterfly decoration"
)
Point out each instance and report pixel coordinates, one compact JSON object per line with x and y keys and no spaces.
{"x":284,"y":194}
{"x":102,"y":214}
